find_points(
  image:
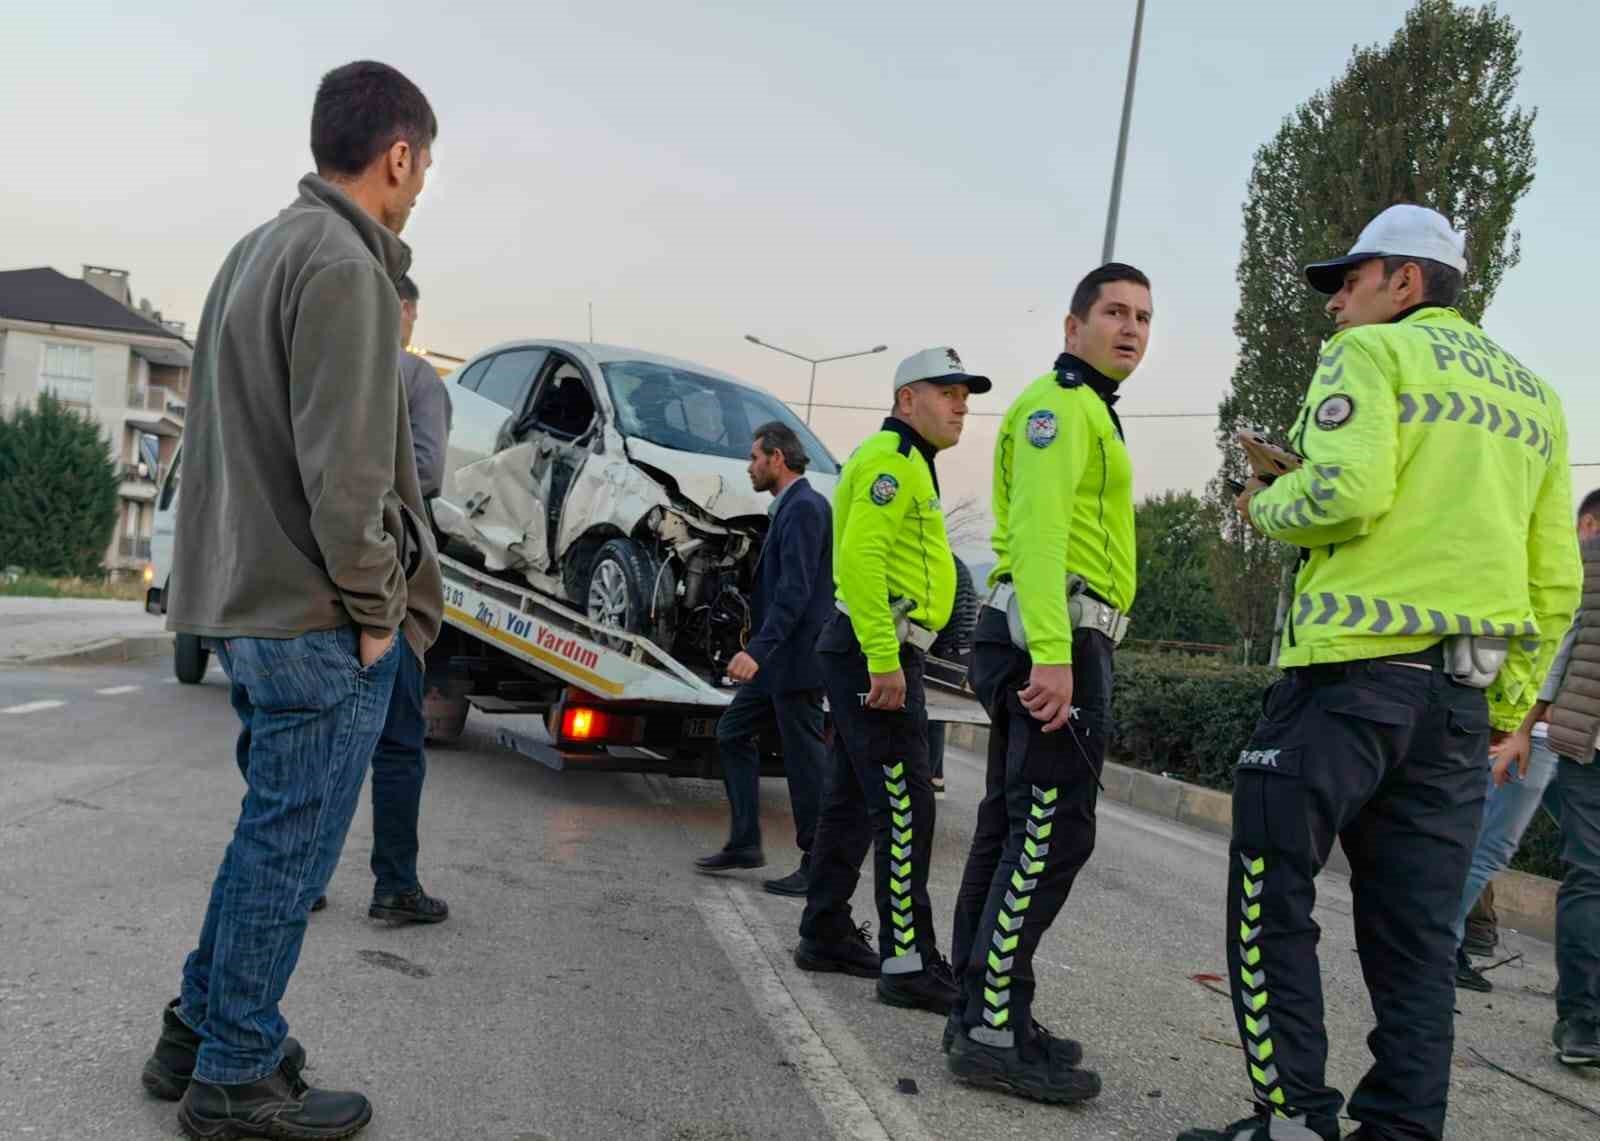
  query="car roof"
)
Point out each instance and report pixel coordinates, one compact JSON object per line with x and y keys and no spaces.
{"x":596,"y":354}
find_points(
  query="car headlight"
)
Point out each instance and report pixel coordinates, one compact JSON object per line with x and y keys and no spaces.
{"x":149,"y":574}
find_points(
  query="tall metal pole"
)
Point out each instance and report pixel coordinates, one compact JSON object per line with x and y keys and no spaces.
{"x":1122,"y":137}
{"x":810,"y":392}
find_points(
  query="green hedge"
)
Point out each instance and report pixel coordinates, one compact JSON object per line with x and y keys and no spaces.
{"x":1190,"y":716}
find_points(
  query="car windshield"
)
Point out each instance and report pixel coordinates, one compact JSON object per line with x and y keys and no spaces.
{"x":691,"y":412}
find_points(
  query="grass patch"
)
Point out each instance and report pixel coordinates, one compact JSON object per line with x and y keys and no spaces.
{"x":125,"y":589}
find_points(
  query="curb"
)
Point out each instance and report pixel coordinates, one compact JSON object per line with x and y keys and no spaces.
{"x":111,"y":651}
{"x":1523,"y":901}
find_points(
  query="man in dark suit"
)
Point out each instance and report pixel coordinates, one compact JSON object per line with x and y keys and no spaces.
{"x":779,"y":672}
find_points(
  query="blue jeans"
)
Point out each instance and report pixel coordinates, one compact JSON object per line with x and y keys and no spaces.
{"x":798,"y":718}
{"x":1574,"y":800}
{"x":310,"y":716}
{"x":398,"y":768}
{"x":1507,"y":813}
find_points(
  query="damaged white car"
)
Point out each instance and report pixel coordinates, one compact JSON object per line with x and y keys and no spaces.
{"x":615,"y":479}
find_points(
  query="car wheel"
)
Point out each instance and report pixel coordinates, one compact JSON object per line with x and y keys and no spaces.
{"x":190,"y":659}
{"x":621,"y":579}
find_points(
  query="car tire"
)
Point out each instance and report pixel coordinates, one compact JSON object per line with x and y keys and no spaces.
{"x":190,"y":659}
{"x":621,"y":579}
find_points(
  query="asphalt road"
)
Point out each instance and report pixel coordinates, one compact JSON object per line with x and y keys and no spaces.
{"x":588,"y":984}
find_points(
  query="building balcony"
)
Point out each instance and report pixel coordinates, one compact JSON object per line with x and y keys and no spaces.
{"x":133,"y":547}
{"x":162,"y":400}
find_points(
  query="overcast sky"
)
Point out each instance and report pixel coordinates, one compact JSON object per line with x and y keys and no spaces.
{"x":827,"y":175}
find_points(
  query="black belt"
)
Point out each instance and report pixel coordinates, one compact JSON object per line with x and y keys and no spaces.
{"x":1431,"y":658}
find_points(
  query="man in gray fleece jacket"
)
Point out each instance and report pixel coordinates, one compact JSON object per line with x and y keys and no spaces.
{"x":303,"y":555}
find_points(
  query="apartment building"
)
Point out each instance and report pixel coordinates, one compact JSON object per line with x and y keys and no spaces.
{"x":85,"y":340}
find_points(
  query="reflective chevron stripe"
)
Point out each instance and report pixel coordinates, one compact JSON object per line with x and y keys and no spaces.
{"x":900,"y":849}
{"x":1379,"y":615}
{"x":1008,"y":922}
{"x":1250,"y":991}
{"x":1486,"y":414}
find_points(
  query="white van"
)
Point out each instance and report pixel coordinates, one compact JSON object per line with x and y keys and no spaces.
{"x":190,"y":658}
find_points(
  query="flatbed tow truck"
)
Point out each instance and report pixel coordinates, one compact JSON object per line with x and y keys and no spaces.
{"x":603,"y":700}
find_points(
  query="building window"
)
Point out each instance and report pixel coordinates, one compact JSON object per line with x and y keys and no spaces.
{"x":69,"y":372}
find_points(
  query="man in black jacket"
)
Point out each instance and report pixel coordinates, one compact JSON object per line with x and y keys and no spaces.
{"x":779,"y":670}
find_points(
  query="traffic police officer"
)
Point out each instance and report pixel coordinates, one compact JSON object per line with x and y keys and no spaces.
{"x":1434,"y":515}
{"x":1041,"y":664}
{"x":895,"y":586}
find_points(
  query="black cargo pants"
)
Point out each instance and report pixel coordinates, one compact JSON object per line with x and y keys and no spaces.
{"x":1393,"y":760}
{"x":877,"y":792}
{"x":1035,"y":828}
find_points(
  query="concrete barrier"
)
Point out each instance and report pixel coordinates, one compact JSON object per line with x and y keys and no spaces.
{"x":1525,"y":902}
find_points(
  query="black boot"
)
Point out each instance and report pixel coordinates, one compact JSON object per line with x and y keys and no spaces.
{"x":414,"y":906}
{"x":1469,"y":977}
{"x":169,"y":1068}
{"x":852,"y":955}
{"x":1258,"y":1127}
{"x":727,"y":859}
{"x":1026,"y":1069}
{"x":793,"y":884}
{"x":1067,"y":1051}
{"x":279,"y":1106}
{"x":1579,"y":1043}
{"x":932,"y":988}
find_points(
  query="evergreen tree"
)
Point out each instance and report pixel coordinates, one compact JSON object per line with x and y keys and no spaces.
{"x":1174,"y":534}
{"x":58,"y":490}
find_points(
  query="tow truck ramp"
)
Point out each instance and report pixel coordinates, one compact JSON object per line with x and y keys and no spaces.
{"x":625,"y":704}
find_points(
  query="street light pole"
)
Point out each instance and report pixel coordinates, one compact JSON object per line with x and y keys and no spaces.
{"x":813,"y":362}
{"x":1122,"y":137}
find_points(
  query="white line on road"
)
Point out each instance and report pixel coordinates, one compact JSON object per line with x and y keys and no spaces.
{"x":811,"y":1037}
{"x":115,"y":690}
{"x":34,"y":707}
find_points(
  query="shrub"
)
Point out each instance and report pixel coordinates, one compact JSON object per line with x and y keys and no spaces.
{"x":1190,"y":716}
{"x":1186,"y":715}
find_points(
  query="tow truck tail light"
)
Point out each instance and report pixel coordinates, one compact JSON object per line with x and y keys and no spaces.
{"x":589,"y":726}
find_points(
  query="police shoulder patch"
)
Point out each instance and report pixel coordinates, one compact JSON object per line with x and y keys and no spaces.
{"x":1334,"y":412}
{"x":1042,"y":428}
{"x":884,"y":489}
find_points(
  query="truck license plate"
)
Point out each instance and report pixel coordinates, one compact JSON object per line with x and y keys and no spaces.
{"x":700,"y":727}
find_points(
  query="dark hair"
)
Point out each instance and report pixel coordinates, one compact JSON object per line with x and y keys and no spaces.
{"x":776,"y":436}
{"x":362,"y":109}
{"x":1441,"y":284}
{"x":1590,"y":505}
{"x":407,"y":289}
{"x":1088,"y":291}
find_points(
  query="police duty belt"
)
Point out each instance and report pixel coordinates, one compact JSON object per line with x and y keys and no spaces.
{"x":1084,"y":611}
{"x":907,"y":631}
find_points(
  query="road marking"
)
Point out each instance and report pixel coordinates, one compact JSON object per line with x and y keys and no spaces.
{"x":34,"y":707}
{"x":813,"y":1040}
{"x":115,"y":690}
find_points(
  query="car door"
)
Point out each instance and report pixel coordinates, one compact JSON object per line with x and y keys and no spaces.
{"x":565,"y":424}
{"x":491,"y":502}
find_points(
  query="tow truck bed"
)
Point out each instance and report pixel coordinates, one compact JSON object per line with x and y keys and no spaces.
{"x":609,"y":701}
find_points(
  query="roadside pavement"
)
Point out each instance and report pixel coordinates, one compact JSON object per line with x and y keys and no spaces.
{"x":589,"y":985}
{"x":36,"y":629}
